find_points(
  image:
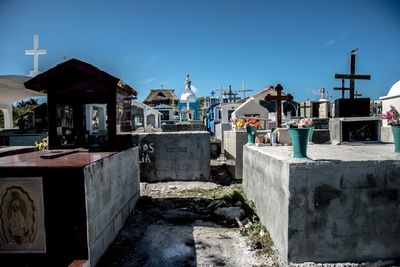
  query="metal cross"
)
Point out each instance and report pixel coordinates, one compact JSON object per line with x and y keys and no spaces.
{"x":352,"y":76}
{"x":304,"y":106}
{"x":230,"y":94}
{"x":35,"y":52}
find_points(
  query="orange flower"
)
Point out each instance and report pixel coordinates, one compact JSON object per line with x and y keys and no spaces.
{"x":253,"y":123}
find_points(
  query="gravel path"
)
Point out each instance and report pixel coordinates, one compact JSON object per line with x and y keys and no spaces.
{"x":170,"y":228}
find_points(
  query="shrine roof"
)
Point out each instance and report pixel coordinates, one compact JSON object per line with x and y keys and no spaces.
{"x":75,"y":71}
{"x":157,"y":95}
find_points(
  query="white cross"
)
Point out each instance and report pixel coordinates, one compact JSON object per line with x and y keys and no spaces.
{"x":35,"y":52}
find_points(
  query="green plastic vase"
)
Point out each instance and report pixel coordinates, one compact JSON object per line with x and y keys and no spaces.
{"x":396,"y":138}
{"x":311,"y":134}
{"x":251,"y":134}
{"x":300,"y":137}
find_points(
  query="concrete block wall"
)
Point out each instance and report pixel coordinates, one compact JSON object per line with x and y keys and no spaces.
{"x":268,"y":188}
{"x":233,"y":146}
{"x":184,"y":127}
{"x":220,"y":128}
{"x":173,"y":156}
{"x":339,"y":205}
{"x":386,"y":134}
{"x":112,"y":188}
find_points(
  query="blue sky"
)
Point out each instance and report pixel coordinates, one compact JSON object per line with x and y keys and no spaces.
{"x":146,"y":43}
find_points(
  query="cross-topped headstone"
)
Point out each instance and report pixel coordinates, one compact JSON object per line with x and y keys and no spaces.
{"x":352,"y":76}
{"x":35,"y":52}
{"x":231,"y":95}
{"x":304,"y":106}
{"x":278,"y":98}
{"x":221,"y":91}
{"x":212,"y":93}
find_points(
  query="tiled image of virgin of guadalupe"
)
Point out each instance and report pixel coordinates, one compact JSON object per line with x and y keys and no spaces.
{"x":17,"y":218}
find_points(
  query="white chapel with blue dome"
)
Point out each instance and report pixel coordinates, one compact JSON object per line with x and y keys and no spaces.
{"x":188,"y":104}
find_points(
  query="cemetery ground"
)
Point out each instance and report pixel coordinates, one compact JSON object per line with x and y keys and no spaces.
{"x":191,"y":224}
{"x":194,"y":224}
{"x":198,"y":224}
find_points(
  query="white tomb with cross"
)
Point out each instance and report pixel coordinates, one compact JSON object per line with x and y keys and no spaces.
{"x":391,"y":99}
{"x":35,"y":53}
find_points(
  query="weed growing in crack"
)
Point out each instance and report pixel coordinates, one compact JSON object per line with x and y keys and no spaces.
{"x":259,"y":236}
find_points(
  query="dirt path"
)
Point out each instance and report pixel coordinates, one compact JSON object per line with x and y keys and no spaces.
{"x":175,"y":224}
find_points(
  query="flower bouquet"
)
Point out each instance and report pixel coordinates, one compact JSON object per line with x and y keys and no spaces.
{"x":245,"y":122}
{"x":251,"y":124}
{"x":392,"y":116}
{"x":302,"y":123}
{"x":43,"y":145}
{"x":393,"y":119}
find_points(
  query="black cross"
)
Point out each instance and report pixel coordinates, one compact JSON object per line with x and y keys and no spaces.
{"x":304,"y":106}
{"x":352,"y":76}
{"x":230,"y":94}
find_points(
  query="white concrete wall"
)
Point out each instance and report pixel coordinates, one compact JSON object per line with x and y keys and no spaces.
{"x":386,"y":134}
{"x":7,"y":115}
{"x":251,"y":107}
{"x":220,"y":128}
{"x":233,"y":146}
{"x":112,"y":189}
{"x":225,"y":108}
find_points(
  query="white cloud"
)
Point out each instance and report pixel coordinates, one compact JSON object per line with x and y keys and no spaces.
{"x":148,"y":80}
{"x":330,"y":42}
{"x":315,"y":92}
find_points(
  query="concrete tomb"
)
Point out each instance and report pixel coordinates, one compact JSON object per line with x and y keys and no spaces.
{"x":338,"y":205}
{"x":56,"y":211}
{"x":233,"y":147}
{"x":174,"y":156}
{"x":352,"y":122}
{"x":391,"y":99}
{"x":144,"y":118}
{"x":223,"y":124}
{"x":352,"y":106}
{"x":66,"y":204}
{"x":258,"y":104}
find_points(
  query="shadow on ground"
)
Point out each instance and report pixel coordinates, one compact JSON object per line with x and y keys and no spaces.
{"x":183,"y":231}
